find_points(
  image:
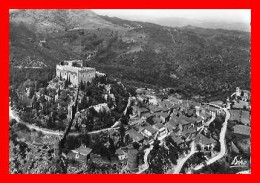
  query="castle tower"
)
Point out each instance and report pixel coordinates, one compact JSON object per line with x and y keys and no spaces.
{"x":75,"y":71}
{"x":238,"y":92}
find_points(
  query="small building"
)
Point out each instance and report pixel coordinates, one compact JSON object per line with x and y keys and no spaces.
{"x":206,"y":144}
{"x":135,"y":136}
{"x":149,"y":131}
{"x":101,"y":108}
{"x":172,"y":124}
{"x":163,"y":116}
{"x":82,"y":153}
{"x":147,"y":116}
{"x":177,"y":139}
{"x":154,"y":120}
{"x":120,"y":154}
{"x":198,"y":121}
{"x":139,"y":110}
{"x":161,"y":130}
{"x":158,"y":126}
{"x":185,"y":122}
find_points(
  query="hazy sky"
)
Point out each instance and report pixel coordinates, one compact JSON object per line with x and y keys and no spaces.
{"x":227,"y":15}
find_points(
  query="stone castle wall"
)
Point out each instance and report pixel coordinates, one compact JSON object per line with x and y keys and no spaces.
{"x":75,"y":74}
{"x":86,"y":76}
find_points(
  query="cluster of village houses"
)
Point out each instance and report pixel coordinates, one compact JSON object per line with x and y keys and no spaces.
{"x":153,"y":118}
{"x":182,"y":120}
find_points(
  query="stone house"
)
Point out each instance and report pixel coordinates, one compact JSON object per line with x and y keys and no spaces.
{"x":82,"y":153}
{"x":163,"y":116}
{"x":139,"y":111}
{"x":149,"y":131}
{"x":207,"y":144}
{"x":135,"y":136}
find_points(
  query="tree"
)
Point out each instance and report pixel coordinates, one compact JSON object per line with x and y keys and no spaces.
{"x":122,"y":133}
{"x":82,"y":85}
{"x":159,"y":161}
{"x":217,"y":147}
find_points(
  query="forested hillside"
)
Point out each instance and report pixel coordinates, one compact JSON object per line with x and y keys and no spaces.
{"x":191,"y":60}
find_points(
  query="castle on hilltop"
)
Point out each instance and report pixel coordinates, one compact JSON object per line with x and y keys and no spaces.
{"x":75,"y":71}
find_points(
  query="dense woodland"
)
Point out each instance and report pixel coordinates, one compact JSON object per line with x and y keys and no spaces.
{"x":190,"y":60}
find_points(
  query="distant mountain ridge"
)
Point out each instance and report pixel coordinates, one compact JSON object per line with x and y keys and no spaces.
{"x":181,"y":22}
{"x":197,"y":60}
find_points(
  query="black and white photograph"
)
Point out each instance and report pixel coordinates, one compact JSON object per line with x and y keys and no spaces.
{"x":130,"y":91}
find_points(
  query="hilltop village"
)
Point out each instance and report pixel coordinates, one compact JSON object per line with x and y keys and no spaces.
{"x":118,"y":129}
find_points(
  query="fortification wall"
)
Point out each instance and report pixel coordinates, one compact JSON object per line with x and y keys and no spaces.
{"x":86,"y":76}
{"x":75,"y":74}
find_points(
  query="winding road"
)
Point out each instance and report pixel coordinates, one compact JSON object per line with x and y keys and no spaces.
{"x":13,"y":115}
{"x":221,"y":140}
{"x":146,"y":164}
